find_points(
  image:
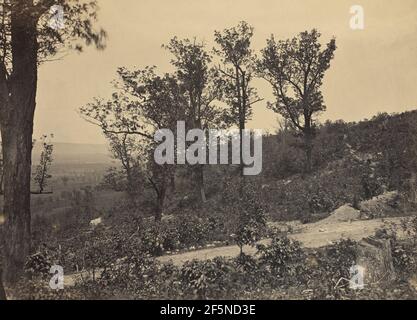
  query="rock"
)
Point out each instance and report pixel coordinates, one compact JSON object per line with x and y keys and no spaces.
{"x":374,"y":255}
{"x":96,"y":222}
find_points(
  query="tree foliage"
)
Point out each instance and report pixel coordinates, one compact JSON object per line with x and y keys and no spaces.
{"x":295,"y":69}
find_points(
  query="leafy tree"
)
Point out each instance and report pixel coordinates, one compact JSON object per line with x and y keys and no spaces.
{"x":243,"y":204}
{"x":126,"y":149}
{"x":196,"y":79}
{"x":28,"y":38}
{"x":284,"y":256}
{"x":143,"y":103}
{"x":295,"y":68}
{"x":42,"y":174}
{"x":236,"y":75}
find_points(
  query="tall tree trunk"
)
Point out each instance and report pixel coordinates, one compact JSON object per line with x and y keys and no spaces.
{"x":17,"y":149}
{"x":1,"y":176}
{"x":160,"y":192}
{"x":241,"y":129}
{"x":160,"y":203}
{"x":172,"y":182}
{"x":241,"y":113}
{"x":16,"y":121}
{"x":200,"y":182}
{"x":309,"y":151}
{"x":308,"y":145}
{"x":2,"y":291}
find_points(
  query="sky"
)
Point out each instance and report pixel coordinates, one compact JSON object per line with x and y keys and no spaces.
{"x":374,"y":69}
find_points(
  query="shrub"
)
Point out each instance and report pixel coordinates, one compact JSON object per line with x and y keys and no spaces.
{"x":321,"y":202}
{"x":244,"y":206}
{"x":38,"y":265}
{"x":404,"y":259}
{"x":283,"y":256}
{"x":39,"y":290}
{"x":133,"y":275}
{"x":251,"y":227}
{"x":192,"y":230}
{"x":152,"y":240}
{"x":207,"y":279}
{"x":333,"y":265}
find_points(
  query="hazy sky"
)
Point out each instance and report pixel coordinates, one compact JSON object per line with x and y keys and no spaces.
{"x":374,"y":69}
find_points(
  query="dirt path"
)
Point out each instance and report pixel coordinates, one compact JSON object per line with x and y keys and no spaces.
{"x":312,"y":235}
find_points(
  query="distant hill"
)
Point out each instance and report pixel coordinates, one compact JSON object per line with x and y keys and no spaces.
{"x":75,"y":153}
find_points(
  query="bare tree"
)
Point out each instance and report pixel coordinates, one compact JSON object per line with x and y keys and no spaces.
{"x":27,"y":38}
{"x":295,"y":68}
{"x":42,"y":174}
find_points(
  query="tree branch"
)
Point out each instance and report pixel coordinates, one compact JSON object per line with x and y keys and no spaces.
{"x":255,"y":101}
{"x":145,"y":135}
{"x":226,"y":74}
{"x":106,"y":131}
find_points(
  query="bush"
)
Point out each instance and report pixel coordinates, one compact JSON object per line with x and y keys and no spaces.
{"x":39,"y":290}
{"x":283,"y":256}
{"x":38,"y":265}
{"x":404,"y":259}
{"x":320,"y":202}
{"x":135,"y":276}
{"x":333,"y":264}
{"x":152,"y":241}
{"x":210,"y":279}
{"x":192,"y":230}
{"x":244,"y":206}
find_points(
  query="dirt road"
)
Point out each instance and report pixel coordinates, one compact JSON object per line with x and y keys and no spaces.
{"x":312,"y":235}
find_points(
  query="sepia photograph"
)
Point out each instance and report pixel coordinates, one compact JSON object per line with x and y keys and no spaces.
{"x":206,"y":156}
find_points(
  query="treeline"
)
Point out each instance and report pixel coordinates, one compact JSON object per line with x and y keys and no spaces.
{"x":209,"y":89}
